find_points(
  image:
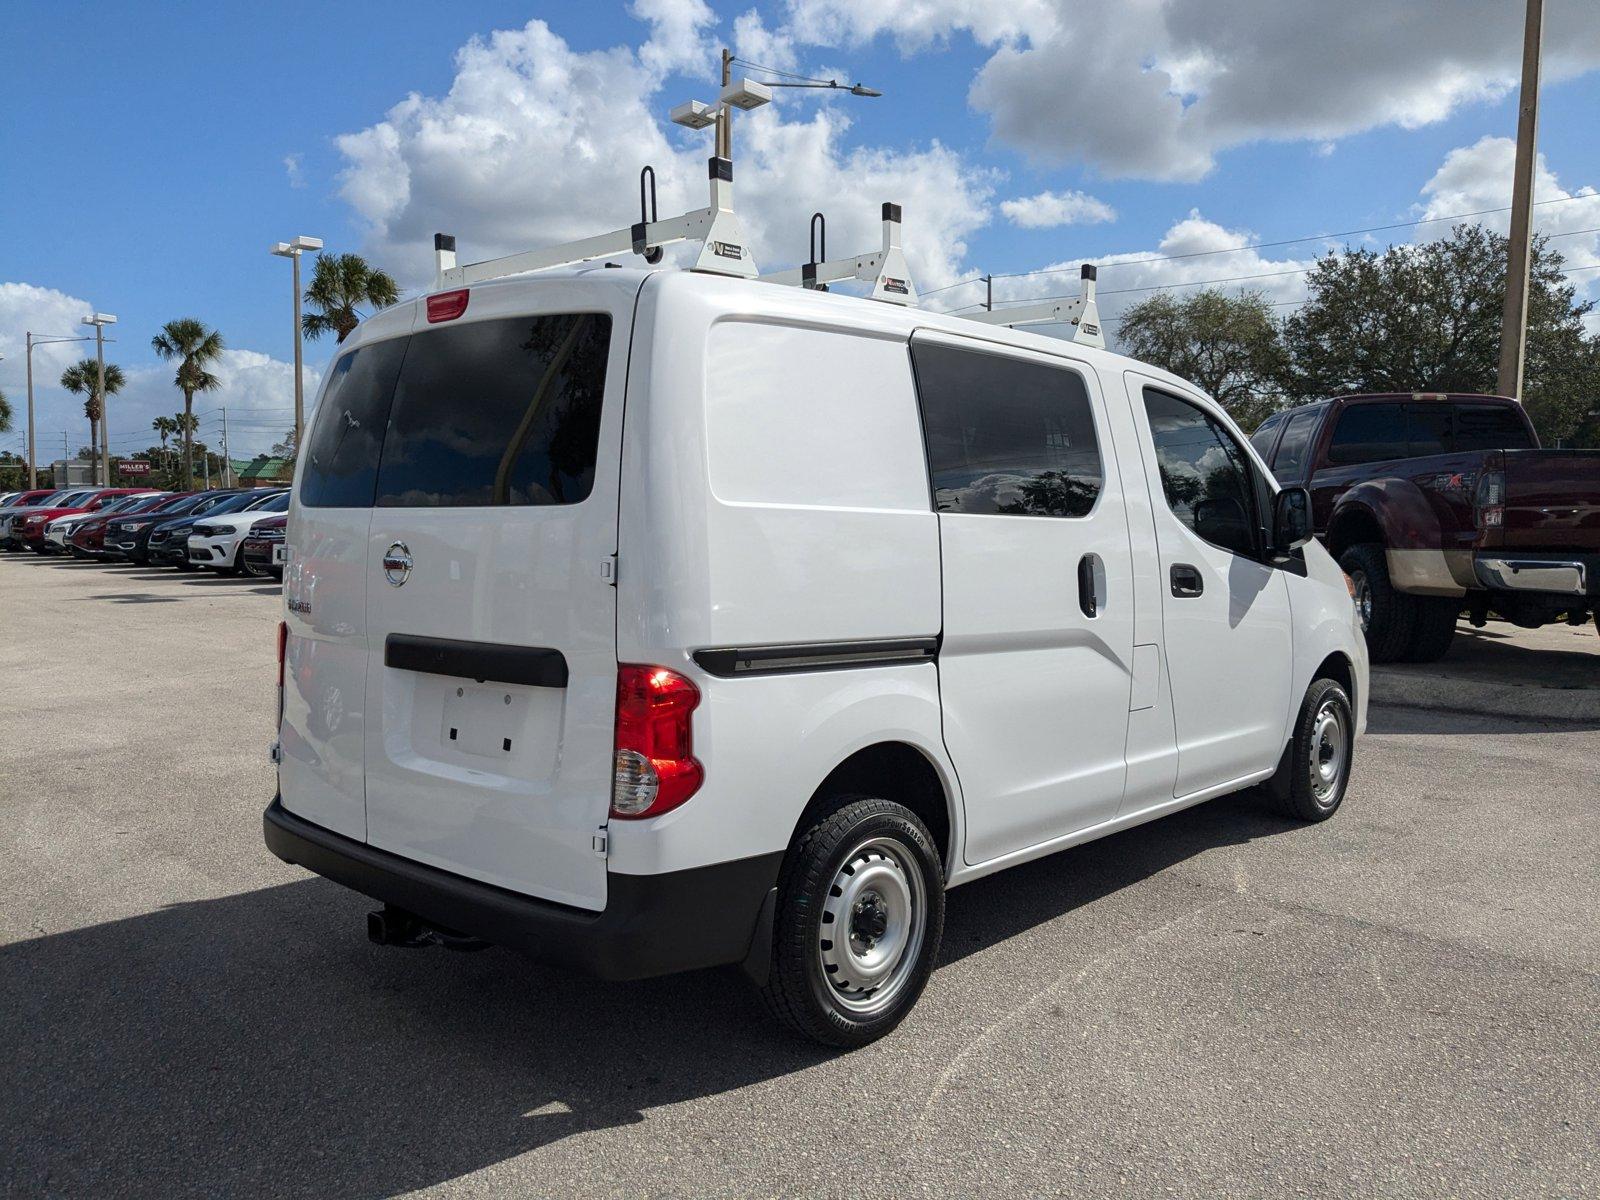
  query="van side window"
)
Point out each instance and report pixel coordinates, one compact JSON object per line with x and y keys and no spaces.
{"x":497,"y":412}
{"x":1006,"y":436}
{"x":1296,"y":442}
{"x":1205,"y":474}
{"x":1369,"y":433}
{"x":342,"y":455}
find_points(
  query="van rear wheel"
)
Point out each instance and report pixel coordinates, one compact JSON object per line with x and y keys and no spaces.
{"x":859,"y":919}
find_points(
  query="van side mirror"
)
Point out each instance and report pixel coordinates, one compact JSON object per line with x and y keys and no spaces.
{"x":1291,"y":519}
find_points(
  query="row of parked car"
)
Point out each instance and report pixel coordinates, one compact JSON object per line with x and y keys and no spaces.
{"x":232,"y":530}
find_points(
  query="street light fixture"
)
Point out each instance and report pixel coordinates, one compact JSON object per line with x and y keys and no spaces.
{"x":748,"y":94}
{"x":292,"y":251}
{"x":99,"y":321}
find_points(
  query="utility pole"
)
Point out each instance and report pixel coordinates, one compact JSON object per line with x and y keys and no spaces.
{"x":988,"y":293}
{"x":33,"y":468}
{"x":227,"y":463}
{"x":1514,"y":320}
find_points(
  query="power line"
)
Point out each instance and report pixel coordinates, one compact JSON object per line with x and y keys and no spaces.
{"x":1314,"y":237}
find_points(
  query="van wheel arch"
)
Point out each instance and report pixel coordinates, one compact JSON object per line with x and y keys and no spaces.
{"x":1338,"y":668}
{"x":894,"y":771}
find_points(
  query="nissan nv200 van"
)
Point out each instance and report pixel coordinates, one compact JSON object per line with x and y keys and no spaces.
{"x":652,"y":620}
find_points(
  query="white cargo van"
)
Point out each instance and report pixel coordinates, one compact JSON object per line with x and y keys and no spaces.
{"x":651,"y":620}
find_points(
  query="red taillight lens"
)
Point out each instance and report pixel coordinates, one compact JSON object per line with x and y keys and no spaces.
{"x":283,"y":644}
{"x":654,"y":766}
{"x":447,"y":306}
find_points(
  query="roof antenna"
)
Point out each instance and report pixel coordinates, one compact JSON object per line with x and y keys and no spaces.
{"x":1081,"y":312}
{"x":884,"y":268}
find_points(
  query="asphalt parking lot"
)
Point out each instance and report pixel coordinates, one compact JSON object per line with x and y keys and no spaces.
{"x":1402,"y":1001}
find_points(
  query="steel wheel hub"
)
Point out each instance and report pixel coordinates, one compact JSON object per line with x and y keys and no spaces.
{"x":1330,"y":752}
{"x":872,"y":926}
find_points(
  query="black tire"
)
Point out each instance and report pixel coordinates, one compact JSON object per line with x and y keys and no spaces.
{"x":1435,"y":629}
{"x":1304,"y":798}
{"x":1390,"y":617}
{"x":800,"y":991}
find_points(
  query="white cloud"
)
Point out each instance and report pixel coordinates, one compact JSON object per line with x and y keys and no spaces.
{"x":536,"y":143}
{"x":1050,"y":209}
{"x":292,"y":169}
{"x":678,"y":39}
{"x":257,"y":388}
{"x":1156,"y":89}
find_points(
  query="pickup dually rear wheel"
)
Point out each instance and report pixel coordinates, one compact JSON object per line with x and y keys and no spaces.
{"x":1388,"y":617}
{"x":1435,"y":629}
{"x":859,"y":919}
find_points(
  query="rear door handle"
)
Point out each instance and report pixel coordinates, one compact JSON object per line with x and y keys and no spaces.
{"x":1186,"y":580}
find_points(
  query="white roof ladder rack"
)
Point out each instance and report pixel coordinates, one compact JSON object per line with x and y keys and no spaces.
{"x":884,"y":268}
{"x":1081,"y":312}
{"x":724,"y":250}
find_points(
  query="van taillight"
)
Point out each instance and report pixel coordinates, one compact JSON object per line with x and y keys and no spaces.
{"x":654,"y":768}
{"x":447,"y":306}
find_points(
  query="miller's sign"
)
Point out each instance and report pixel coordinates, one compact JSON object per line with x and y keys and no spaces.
{"x":133,"y":466}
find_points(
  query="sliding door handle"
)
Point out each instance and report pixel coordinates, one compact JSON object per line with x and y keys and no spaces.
{"x":1186,"y":580}
{"x":1091,"y":585}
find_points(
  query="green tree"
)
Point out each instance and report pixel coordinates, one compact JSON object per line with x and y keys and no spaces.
{"x":1426,"y":318}
{"x":82,"y":378}
{"x":340,"y":284}
{"x":196,"y":349}
{"x":5,"y":414}
{"x":1228,"y":345}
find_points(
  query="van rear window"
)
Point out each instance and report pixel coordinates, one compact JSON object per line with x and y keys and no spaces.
{"x":503,"y":412}
{"x":497,"y":412}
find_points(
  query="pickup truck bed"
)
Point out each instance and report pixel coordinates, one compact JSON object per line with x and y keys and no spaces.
{"x":1438,"y":504}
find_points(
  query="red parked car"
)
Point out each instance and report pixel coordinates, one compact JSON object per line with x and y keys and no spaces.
{"x":88,"y":537}
{"x":29,"y":530}
{"x":256,"y":552}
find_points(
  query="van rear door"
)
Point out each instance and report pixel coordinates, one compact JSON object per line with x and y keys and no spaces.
{"x":491,"y":610}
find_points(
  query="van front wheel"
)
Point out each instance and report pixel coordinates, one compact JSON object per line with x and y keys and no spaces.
{"x":858,"y":923}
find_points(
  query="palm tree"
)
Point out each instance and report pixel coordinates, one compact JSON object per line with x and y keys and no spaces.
{"x":5,"y":414}
{"x":82,"y":378}
{"x":195,"y":349}
{"x":340,"y":283}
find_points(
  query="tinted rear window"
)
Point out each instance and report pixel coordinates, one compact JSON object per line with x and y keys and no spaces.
{"x":497,"y":412}
{"x":1488,"y":427}
{"x":1006,"y":436}
{"x":1369,"y":433}
{"x":342,"y":455}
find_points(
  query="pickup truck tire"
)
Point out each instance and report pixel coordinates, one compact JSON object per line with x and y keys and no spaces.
{"x":863,"y":875}
{"x":1321,"y":753}
{"x":1435,"y":629}
{"x":1390,"y":617}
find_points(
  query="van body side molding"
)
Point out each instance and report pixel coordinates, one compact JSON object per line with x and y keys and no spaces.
{"x":735,"y":661}
{"x":488,"y":662}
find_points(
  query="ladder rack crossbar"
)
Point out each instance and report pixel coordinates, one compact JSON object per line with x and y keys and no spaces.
{"x":884,"y":268}
{"x":1080,"y":312}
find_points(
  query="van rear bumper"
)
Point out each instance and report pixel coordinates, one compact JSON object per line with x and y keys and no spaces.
{"x":651,"y":925}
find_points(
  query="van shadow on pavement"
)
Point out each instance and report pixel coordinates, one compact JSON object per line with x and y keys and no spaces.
{"x":257,"y":1044}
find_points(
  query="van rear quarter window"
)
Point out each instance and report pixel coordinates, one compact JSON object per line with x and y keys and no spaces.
{"x":1006,"y":436}
{"x":497,"y":412}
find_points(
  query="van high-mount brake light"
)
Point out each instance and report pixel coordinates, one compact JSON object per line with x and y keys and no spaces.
{"x":447,"y":306}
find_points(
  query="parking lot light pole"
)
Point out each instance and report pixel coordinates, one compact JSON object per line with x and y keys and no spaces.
{"x":99,"y":321}
{"x":292,"y":251}
{"x":35,"y":339}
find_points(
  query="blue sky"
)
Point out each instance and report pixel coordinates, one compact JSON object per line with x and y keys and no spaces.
{"x":147,"y":146}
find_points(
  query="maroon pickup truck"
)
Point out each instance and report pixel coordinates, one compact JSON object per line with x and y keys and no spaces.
{"x":1437,"y":505}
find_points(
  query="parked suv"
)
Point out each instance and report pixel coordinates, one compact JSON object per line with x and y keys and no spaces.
{"x":652,"y":621}
{"x":1441,"y":504}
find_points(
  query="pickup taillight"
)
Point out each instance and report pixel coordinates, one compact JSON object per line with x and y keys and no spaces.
{"x":1491,"y":499}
